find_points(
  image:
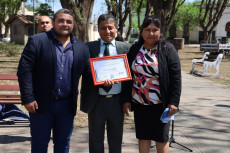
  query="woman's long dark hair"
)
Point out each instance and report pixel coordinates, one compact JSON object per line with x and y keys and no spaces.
{"x":156,"y":21}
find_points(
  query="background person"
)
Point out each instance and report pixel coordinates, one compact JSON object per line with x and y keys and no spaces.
{"x":44,"y":24}
{"x":119,"y":37}
{"x":48,"y":74}
{"x":156,"y":85}
{"x":103,"y":105}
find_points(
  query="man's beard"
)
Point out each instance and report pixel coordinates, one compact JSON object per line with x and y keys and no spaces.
{"x":62,"y":34}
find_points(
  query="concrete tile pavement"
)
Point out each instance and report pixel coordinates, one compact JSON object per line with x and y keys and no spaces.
{"x":203,"y":124}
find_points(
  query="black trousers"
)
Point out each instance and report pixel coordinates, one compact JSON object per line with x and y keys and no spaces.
{"x":107,"y":113}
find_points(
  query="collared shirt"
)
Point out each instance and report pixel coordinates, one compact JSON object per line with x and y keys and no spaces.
{"x":116,"y":88}
{"x":63,"y":82}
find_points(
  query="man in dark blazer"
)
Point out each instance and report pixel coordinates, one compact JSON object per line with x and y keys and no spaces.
{"x":48,"y":74}
{"x":104,"y":106}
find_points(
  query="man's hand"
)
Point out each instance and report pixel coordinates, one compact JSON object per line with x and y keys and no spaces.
{"x":31,"y":107}
{"x":109,"y":82}
{"x":172,"y":109}
{"x":126,"y":108}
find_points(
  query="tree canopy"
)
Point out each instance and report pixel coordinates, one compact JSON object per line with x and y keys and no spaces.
{"x":186,"y":18}
{"x":45,"y":9}
{"x":7,"y":9}
{"x":210,"y":14}
{"x":82,"y":11}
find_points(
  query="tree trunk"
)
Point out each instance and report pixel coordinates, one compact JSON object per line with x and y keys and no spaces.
{"x":138,"y":14}
{"x":115,"y":9}
{"x":206,"y":37}
{"x":130,"y":26}
{"x":82,"y":11}
{"x":210,"y":14}
{"x":0,"y":28}
{"x":148,"y":8}
{"x":186,"y":33}
{"x":165,"y":11}
{"x":7,"y":30}
{"x":128,"y":8}
{"x":172,"y":31}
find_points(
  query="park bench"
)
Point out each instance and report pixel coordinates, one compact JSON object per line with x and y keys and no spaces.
{"x":9,"y":94}
{"x":210,"y":59}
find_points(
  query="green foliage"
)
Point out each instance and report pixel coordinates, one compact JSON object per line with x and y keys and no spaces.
{"x":10,"y":49}
{"x":137,"y":4}
{"x":44,"y":9}
{"x":8,"y":8}
{"x":134,"y":24}
{"x":187,"y":13}
{"x":29,"y":7}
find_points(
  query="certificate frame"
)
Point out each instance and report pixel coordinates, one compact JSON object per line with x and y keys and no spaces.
{"x":123,"y":57}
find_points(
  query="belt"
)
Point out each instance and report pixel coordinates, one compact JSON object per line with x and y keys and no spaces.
{"x":56,"y":98}
{"x":109,"y":96}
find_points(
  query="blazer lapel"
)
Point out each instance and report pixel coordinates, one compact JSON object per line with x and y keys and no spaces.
{"x":54,"y":54}
{"x":119,"y":48}
{"x":76,"y":60}
{"x":96,"y":49}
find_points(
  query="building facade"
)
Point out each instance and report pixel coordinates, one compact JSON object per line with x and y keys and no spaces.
{"x":222,"y":29}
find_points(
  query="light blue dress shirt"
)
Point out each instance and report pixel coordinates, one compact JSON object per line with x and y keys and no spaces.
{"x":116,"y":88}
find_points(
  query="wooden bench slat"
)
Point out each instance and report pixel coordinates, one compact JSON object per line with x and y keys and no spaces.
{"x":8,"y":77}
{"x":199,"y":63}
{"x":9,"y":87}
{"x":10,"y":102}
{"x":9,"y":96}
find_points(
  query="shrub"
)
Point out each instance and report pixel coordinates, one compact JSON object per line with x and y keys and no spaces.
{"x":10,"y":49}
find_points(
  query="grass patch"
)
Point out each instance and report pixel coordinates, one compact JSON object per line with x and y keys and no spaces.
{"x":187,"y":54}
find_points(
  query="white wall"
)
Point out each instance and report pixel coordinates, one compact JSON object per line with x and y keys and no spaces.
{"x":220,"y":28}
{"x":93,"y":32}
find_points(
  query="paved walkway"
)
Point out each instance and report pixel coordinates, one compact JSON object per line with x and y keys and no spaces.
{"x":203,"y":124}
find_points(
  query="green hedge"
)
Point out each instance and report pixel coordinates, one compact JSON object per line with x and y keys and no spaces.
{"x":10,"y":49}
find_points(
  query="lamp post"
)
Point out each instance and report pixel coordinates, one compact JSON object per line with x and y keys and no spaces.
{"x":33,"y":18}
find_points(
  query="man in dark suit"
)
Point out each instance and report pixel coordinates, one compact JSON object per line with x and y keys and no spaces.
{"x":103,"y":105}
{"x":48,"y":74}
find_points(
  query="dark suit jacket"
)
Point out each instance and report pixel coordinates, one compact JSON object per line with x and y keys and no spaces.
{"x":89,"y":92}
{"x":37,"y":70}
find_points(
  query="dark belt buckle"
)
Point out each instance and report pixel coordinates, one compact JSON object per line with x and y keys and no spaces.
{"x":57,"y":98}
{"x":108,"y":96}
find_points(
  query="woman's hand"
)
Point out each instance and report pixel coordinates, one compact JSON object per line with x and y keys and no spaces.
{"x":172,"y":109}
{"x":126,"y":108}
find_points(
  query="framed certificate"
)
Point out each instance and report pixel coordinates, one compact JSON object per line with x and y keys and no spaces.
{"x":114,"y":67}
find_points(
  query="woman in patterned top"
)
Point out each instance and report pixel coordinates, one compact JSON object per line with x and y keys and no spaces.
{"x":156,"y":85}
